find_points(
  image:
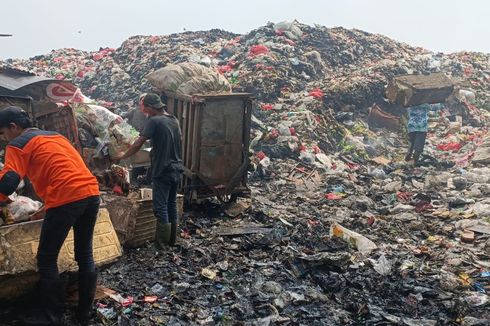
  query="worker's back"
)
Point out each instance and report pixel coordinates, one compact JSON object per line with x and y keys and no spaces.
{"x":52,"y":164}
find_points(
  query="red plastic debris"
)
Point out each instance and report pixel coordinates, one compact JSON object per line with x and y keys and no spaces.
{"x":97,"y":56}
{"x":274,"y":133}
{"x":260,"y":155}
{"x":353,"y":166}
{"x":267,"y":107}
{"x":224,"y":69}
{"x":154,"y":39}
{"x":404,"y":196}
{"x":258,"y":49}
{"x":450,"y":147}
{"x":332,"y":196}
{"x":422,"y":206}
{"x":316,"y":93}
{"x":313,"y":222}
{"x":371,"y":220}
{"x":117,"y":190}
{"x":150,"y":298}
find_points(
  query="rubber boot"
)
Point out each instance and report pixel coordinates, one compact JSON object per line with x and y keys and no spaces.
{"x":87,"y":285}
{"x":162,"y":236}
{"x":408,"y":157}
{"x":173,"y":232}
{"x":51,"y":306}
{"x":416,"y":158}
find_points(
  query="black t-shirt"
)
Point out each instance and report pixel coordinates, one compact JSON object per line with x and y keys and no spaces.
{"x":166,"y":152}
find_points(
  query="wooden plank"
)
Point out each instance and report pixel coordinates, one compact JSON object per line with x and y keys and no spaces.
{"x":196,"y":130}
{"x":180,"y":111}
{"x":190,"y":134}
{"x":247,"y":114}
{"x":242,"y":229}
{"x":183,"y":126}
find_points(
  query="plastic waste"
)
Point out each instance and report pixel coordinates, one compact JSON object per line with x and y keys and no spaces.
{"x":377,"y":173}
{"x":476,"y":299}
{"x":467,"y":95}
{"x":209,"y":273}
{"x":107,"y":313}
{"x":290,"y":29}
{"x":22,"y":207}
{"x":360,"y":242}
{"x":382,"y":265}
{"x":284,"y":130}
{"x":157,"y":288}
{"x":307,"y":157}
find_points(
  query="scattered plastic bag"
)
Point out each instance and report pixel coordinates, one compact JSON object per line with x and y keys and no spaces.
{"x":382,"y":265}
{"x":22,"y":207}
{"x":360,"y":242}
{"x":258,"y":50}
{"x":477,"y":299}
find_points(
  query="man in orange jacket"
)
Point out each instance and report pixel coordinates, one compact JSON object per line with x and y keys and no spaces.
{"x":71,"y":197}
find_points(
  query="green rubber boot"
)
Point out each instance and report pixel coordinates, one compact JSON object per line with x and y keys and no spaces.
{"x":173,"y":233}
{"x":162,"y":236}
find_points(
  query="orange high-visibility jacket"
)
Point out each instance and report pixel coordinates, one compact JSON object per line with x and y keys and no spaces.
{"x":56,"y":170}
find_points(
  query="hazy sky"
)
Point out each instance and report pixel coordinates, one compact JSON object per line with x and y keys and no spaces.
{"x":38,"y":26}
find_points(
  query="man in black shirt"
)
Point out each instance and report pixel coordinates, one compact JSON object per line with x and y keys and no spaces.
{"x":164,"y":132}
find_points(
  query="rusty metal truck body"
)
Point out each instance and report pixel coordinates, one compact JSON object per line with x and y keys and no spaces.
{"x":215,"y":142}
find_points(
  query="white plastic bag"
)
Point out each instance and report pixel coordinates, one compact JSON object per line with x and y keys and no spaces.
{"x":360,"y":242}
{"x":382,"y":265}
{"x":22,"y":207}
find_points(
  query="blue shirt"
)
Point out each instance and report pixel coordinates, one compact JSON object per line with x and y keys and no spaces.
{"x":418,"y":116}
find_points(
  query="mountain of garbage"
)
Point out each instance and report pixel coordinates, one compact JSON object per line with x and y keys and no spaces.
{"x":340,"y":230}
{"x":350,"y":66}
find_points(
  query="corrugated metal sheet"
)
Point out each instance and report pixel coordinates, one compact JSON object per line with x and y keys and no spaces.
{"x":12,"y":79}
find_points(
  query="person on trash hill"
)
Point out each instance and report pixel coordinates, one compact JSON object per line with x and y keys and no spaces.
{"x":166,"y":165}
{"x":417,"y":125}
{"x":71,"y":197}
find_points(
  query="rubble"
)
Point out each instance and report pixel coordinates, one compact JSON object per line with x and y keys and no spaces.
{"x":340,"y":229}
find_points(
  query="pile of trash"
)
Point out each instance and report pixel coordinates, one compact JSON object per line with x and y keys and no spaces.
{"x":340,"y":230}
{"x":351,"y":67}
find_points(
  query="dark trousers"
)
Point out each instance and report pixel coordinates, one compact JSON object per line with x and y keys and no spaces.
{"x":165,"y":199}
{"x":417,"y":143}
{"x":81,"y":215}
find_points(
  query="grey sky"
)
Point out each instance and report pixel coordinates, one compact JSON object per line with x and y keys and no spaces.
{"x":40,"y":26}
